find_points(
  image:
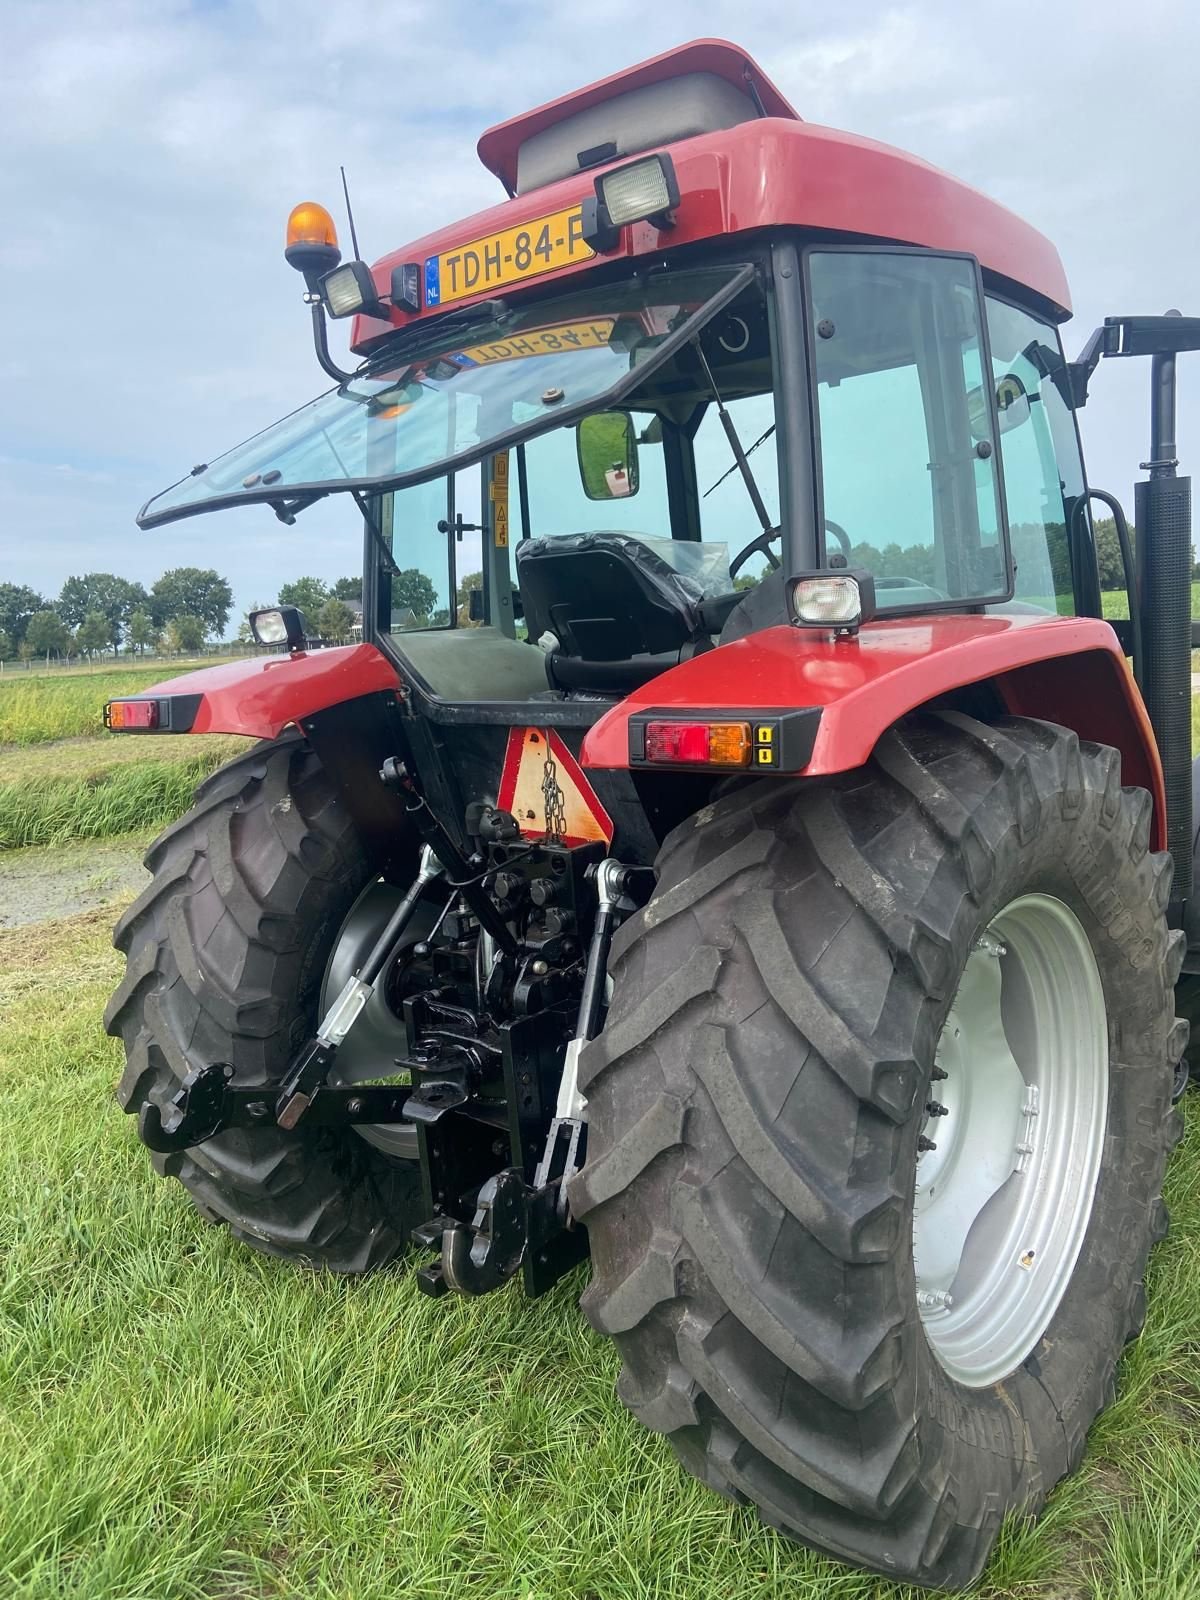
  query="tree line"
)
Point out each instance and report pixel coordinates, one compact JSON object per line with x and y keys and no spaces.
{"x":333,"y":610}
{"x":1032,"y":544}
{"x":189,"y":606}
{"x":97,"y":612}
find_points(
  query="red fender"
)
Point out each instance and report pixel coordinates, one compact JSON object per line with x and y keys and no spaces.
{"x":1069,"y":670}
{"x":261,"y":695}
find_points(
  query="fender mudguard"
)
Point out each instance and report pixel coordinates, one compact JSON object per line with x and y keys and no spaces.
{"x":261,"y":695}
{"x":1068,"y":670}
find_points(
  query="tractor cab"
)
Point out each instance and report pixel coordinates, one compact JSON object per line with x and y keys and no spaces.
{"x":693,"y":380}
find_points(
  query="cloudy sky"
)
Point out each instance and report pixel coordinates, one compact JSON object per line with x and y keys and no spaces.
{"x":152,"y":150}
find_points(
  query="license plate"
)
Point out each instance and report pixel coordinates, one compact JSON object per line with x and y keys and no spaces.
{"x":591,"y":335}
{"x":543,"y":245}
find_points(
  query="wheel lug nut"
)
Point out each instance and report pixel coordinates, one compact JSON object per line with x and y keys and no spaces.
{"x":924,"y":1144}
{"x":936,"y":1109}
{"x":934,"y":1299}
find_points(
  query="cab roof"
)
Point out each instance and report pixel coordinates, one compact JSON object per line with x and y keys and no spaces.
{"x":771,"y":171}
{"x":500,"y":147}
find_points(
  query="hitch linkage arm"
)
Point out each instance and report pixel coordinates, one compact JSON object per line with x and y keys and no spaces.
{"x":207,"y":1102}
{"x":568,"y":1127}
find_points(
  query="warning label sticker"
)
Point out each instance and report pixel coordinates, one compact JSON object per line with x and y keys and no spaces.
{"x":547,"y":792}
{"x":500,"y":499}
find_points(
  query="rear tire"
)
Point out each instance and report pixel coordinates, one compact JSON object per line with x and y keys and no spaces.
{"x":754,"y":1107}
{"x":225,"y":955}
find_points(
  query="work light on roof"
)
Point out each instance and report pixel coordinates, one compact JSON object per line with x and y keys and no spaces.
{"x":645,"y":190}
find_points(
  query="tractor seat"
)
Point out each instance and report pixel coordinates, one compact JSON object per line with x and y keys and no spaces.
{"x":619,"y":613}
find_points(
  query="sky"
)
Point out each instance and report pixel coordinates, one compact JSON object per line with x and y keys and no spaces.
{"x":153,"y":148}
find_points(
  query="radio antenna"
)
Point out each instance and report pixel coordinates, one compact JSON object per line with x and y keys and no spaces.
{"x":350,"y":214}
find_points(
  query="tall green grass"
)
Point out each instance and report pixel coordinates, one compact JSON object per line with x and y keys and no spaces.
{"x":36,"y":709}
{"x":135,"y":795}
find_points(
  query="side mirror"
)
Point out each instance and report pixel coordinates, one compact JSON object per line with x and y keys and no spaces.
{"x":606,"y":444}
{"x":1012,"y":406}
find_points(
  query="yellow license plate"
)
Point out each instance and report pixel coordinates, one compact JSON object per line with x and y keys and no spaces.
{"x":591,"y":335}
{"x":543,"y":245}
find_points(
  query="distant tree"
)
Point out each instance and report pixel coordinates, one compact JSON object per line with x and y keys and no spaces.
{"x":141,"y":631}
{"x":47,"y":634}
{"x":346,"y":589}
{"x":308,"y":594}
{"x":335,"y":619}
{"x":94,"y":634}
{"x":439,"y":618}
{"x":244,"y":633}
{"x":192,"y":592}
{"x":1108,"y":553}
{"x":413,"y":591}
{"x":101,"y":594}
{"x":184,"y":635}
{"x":6,"y":645}
{"x":473,"y":580}
{"x":17,"y":604}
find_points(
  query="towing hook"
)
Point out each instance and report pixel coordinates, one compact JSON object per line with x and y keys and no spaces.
{"x":479,"y":1259}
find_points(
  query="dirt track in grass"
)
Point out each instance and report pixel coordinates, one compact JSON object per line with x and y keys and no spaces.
{"x":61,"y":880}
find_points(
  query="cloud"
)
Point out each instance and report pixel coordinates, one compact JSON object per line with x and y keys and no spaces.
{"x":153,"y":149}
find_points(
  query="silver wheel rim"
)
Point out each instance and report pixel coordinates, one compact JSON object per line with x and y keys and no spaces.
{"x":1011,"y":1147}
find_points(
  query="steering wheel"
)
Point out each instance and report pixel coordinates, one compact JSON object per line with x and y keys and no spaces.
{"x":762,"y":546}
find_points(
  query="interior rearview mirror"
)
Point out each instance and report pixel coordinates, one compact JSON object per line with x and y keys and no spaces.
{"x":608,"y":463}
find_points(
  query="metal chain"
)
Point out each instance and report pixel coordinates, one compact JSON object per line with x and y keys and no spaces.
{"x":553,"y":799}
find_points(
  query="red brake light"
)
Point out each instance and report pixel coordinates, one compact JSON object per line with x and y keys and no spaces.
{"x":123,"y":715}
{"x":723,"y":744}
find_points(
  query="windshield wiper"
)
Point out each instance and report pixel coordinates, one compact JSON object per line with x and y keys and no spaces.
{"x":762,"y":439}
{"x":735,"y":444}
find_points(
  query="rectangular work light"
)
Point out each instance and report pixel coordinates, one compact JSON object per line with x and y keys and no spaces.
{"x":279,"y":625}
{"x":644,"y":191}
{"x":349,"y":290}
{"x":839,"y":601}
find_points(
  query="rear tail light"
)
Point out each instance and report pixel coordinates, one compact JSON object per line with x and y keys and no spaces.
{"x":123,"y":716}
{"x":718,"y":744}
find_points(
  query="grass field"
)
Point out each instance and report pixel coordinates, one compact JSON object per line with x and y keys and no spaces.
{"x":181,"y":1419}
{"x":35,"y":708}
{"x":62,"y":777}
{"x":101,"y":787}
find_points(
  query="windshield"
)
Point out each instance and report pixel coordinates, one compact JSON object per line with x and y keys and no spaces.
{"x":439,"y":396}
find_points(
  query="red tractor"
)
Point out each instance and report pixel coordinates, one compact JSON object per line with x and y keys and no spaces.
{"x":739,"y":850}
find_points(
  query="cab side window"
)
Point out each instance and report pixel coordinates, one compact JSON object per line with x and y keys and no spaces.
{"x":908,"y":480}
{"x":1039,"y":452}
